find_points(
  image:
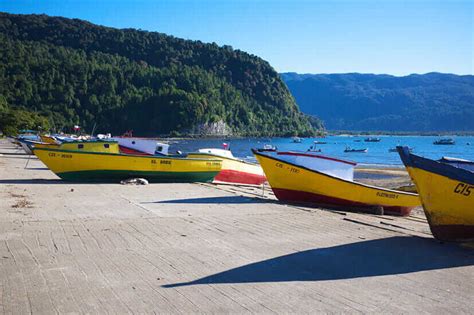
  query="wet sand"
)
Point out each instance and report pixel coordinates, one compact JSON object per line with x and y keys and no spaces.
{"x":189,"y":248}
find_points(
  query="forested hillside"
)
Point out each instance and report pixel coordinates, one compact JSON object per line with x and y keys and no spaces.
{"x":429,"y":102}
{"x":75,"y":72}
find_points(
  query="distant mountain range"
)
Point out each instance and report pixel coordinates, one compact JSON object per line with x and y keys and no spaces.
{"x":369,"y":102}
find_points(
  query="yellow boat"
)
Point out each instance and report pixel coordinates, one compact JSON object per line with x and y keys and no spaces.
{"x":296,"y":183}
{"x":86,"y":146}
{"x":446,"y":189}
{"x":73,"y":165}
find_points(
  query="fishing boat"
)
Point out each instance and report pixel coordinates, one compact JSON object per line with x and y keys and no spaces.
{"x":350,"y":150}
{"x":74,"y":165}
{"x":233,"y":170}
{"x":141,"y":146}
{"x":372,"y":139}
{"x":293,"y":182}
{"x":446,"y":189}
{"x":447,"y":141}
{"x":319,"y":142}
{"x":296,"y":140}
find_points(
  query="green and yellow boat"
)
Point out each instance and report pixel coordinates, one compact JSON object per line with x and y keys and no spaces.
{"x":87,"y":166}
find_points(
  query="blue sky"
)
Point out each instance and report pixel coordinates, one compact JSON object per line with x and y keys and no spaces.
{"x":394,"y":37}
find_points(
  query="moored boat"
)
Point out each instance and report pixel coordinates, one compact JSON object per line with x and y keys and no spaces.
{"x":293,"y":182}
{"x":296,"y":140}
{"x":370,"y":139}
{"x":73,"y":165}
{"x":233,"y":170}
{"x":446,"y":189}
{"x":447,"y":141}
{"x":350,"y":150}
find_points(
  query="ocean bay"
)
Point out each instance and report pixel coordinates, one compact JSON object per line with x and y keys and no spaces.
{"x":378,"y":152}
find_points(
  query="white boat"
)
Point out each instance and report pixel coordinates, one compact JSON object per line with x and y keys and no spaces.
{"x":233,"y":170}
{"x":325,"y":164}
{"x":132,"y":145}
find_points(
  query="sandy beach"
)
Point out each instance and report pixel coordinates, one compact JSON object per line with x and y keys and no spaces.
{"x":205,"y":248}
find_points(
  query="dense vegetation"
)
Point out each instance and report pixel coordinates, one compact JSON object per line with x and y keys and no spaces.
{"x":429,"y":102}
{"x":74,"y":72}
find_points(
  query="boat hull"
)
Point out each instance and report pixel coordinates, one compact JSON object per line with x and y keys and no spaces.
{"x":106,"y":167}
{"x":293,"y":183}
{"x":447,"y":195}
{"x":235,"y":171}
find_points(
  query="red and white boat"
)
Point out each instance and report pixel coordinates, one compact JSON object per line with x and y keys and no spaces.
{"x":233,"y":170}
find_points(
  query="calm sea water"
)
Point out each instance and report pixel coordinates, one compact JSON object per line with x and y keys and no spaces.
{"x":378,"y":152}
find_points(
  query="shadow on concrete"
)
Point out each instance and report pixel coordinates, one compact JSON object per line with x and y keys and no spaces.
{"x":30,"y":181}
{"x":388,"y":256}
{"x":213,"y":200}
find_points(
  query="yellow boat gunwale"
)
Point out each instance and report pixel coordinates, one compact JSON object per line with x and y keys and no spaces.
{"x":130,"y":155}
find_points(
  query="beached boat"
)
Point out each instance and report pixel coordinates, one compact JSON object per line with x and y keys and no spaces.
{"x":234,"y":170}
{"x":447,"y":141}
{"x":133,"y":145}
{"x":350,"y":150}
{"x":296,"y":183}
{"x":76,"y":165}
{"x":446,"y":189}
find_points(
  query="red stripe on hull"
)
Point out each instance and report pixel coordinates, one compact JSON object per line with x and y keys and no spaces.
{"x":455,"y":232}
{"x":322,"y":200}
{"x":231,"y":176}
{"x":126,"y":150}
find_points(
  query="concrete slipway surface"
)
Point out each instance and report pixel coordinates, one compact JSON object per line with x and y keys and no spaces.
{"x":201,"y":248}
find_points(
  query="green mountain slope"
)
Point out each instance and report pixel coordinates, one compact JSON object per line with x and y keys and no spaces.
{"x":429,"y":102}
{"x":76,"y":72}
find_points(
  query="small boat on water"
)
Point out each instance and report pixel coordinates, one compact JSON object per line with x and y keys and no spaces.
{"x":372,"y":139}
{"x":446,"y":189}
{"x":296,"y":140}
{"x":319,"y":142}
{"x":313,"y":149}
{"x":446,"y":141}
{"x":233,"y":170}
{"x":328,"y":182}
{"x":74,"y":165}
{"x":350,"y":150}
